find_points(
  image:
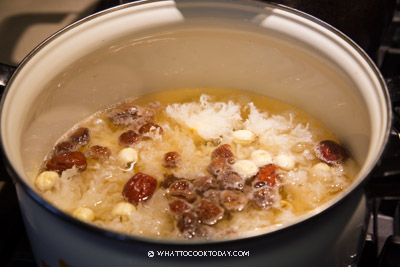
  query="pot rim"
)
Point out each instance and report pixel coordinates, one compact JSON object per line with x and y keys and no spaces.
{"x":310,"y":216}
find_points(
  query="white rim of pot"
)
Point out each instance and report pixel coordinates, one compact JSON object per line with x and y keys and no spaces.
{"x":300,"y":220}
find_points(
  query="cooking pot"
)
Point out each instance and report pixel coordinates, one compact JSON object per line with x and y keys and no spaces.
{"x":144,"y":47}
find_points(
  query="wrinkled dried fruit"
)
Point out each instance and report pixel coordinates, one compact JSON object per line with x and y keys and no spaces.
{"x":267,"y":174}
{"x":151,"y":128}
{"x":331,"y":152}
{"x":187,"y":224}
{"x":204,"y":231}
{"x":99,"y":152}
{"x":139,"y":188}
{"x":208,"y":211}
{"x":67,"y":160}
{"x":217,"y":166}
{"x":205,"y":183}
{"x":80,"y":136}
{"x":179,"y":206}
{"x":123,"y":116}
{"x":264,"y":197}
{"x":63,"y":147}
{"x":171,"y":159}
{"x":168,"y":180}
{"x":182,"y":188}
{"x":231,"y":180}
{"x":212,"y":195}
{"x":233,"y":200}
{"x":128,"y":138}
{"x":223,"y":151}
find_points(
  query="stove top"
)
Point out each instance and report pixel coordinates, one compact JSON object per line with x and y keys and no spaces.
{"x":382,"y":243}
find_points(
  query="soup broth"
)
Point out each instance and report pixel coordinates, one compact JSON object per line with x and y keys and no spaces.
{"x":195,"y":163}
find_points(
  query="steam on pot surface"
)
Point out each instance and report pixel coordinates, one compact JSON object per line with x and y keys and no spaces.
{"x":195,"y":164}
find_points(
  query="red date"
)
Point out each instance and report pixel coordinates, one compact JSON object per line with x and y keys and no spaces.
{"x":80,"y":136}
{"x":168,"y":180}
{"x":331,"y":152}
{"x":63,"y":147}
{"x":172,"y":160}
{"x":123,"y":116}
{"x":231,"y":180}
{"x":67,"y":160}
{"x":217,"y":166}
{"x":233,"y":200}
{"x":128,"y":138}
{"x":99,"y":152}
{"x":139,"y":188}
{"x":151,"y":128}
{"x":182,"y":188}
{"x":208,"y":211}
{"x":264,"y":197}
{"x":188,"y":224}
{"x":267,"y":174}
{"x":179,"y":206}
{"x":223,"y":151}
{"x":205,"y":183}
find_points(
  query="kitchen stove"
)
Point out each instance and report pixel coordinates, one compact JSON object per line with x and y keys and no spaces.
{"x":382,"y":242}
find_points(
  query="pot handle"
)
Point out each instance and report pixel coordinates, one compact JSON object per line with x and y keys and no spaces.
{"x":6,"y":71}
{"x":385,"y":180}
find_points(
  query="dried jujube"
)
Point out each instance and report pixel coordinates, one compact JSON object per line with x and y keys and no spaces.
{"x":264,"y":197}
{"x":168,"y":180}
{"x":217,"y":166}
{"x":223,"y":151}
{"x":67,"y":160}
{"x":171,"y":159}
{"x":139,"y":188}
{"x":128,"y":138}
{"x":208,"y":211}
{"x":182,"y":188}
{"x":99,"y":152}
{"x":80,"y":136}
{"x":151,"y":128}
{"x":267,"y":174}
{"x":123,"y":116}
{"x":187,"y":224}
{"x":233,"y":200}
{"x":330,"y":152}
{"x":65,"y":146}
{"x":179,"y":206}
{"x":205,"y":183}
{"x":231,"y":180}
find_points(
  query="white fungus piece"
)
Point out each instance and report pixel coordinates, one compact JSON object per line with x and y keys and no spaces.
{"x":128,"y":155}
{"x":84,"y":214}
{"x":245,"y":168}
{"x":243,"y":137}
{"x":261,"y":157}
{"x":285,"y":161}
{"x":46,"y":180}
{"x":123,"y":209}
{"x":210,"y":120}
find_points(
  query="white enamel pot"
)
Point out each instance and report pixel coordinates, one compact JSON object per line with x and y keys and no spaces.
{"x":145,"y":47}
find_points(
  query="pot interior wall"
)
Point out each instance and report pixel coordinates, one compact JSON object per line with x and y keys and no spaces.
{"x":128,"y":53}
